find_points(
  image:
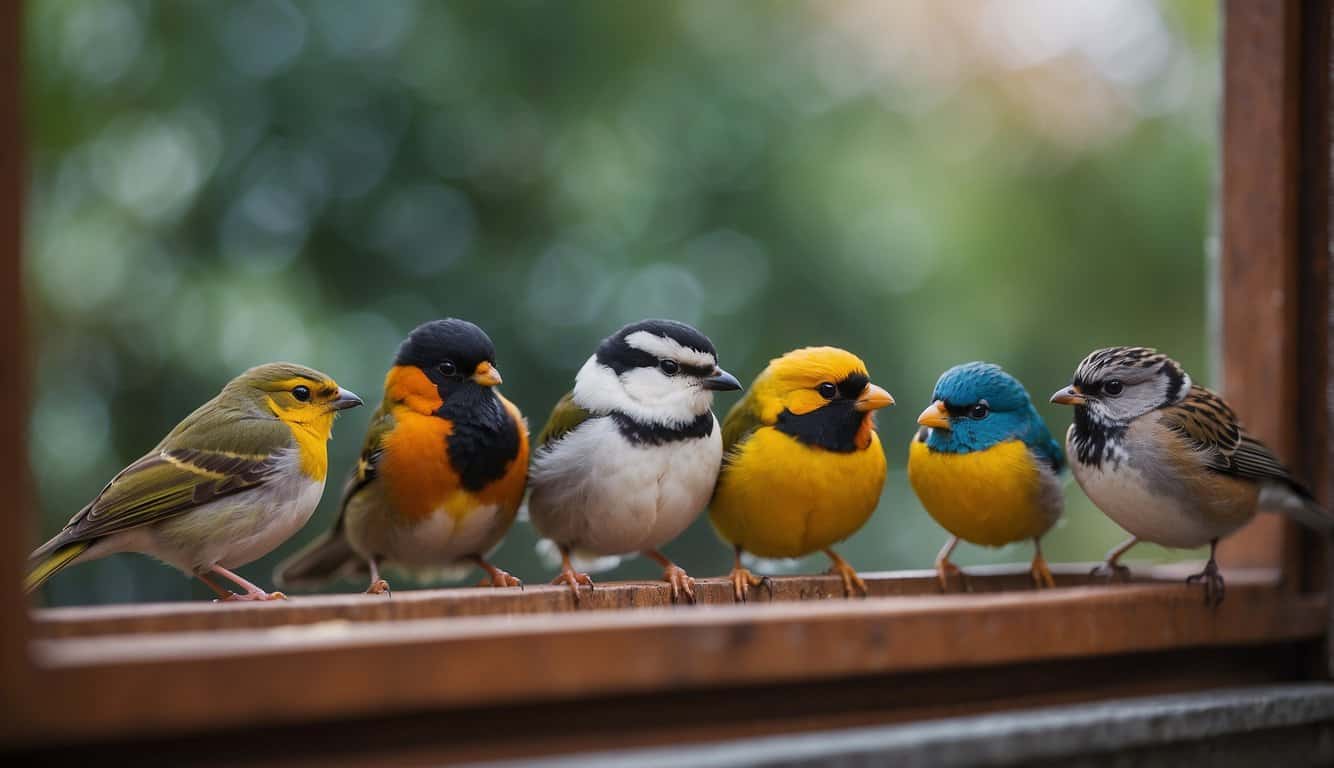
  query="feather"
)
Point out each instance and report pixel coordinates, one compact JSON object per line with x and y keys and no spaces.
{"x":324,"y":559}
{"x":743,"y":419}
{"x":161,"y":486}
{"x":51,"y":564}
{"x":565,"y":417}
{"x":1211,"y":429}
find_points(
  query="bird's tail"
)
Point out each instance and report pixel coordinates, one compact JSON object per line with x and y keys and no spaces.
{"x":319,"y":562}
{"x":44,"y":566}
{"x":1295,"y":501}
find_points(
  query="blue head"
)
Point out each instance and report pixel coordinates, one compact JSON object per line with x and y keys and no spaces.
{"x":977,"y":405}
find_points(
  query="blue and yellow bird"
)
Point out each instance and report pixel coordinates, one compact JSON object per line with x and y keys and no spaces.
{"x":985,"y":466}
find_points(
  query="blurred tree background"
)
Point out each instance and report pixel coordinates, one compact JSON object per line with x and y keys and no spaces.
{"x":219,"y":185}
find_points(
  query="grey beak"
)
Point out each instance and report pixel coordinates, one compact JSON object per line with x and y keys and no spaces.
{"x":721,"y":381}
{"x":346,"y":399}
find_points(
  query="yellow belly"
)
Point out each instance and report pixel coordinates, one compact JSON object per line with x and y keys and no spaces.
{"x":990,"y":497}
{"x":780,"y":498}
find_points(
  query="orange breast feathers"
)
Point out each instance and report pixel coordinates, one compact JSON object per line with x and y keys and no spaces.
{"x":415,"y":466}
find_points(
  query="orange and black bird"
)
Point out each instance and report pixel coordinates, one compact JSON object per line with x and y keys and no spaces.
{"x":442,"y":471}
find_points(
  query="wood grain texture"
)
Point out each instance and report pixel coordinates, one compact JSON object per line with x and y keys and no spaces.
{"x":449,"y":603}
{"x":1315,"y":356}
{"x":1315,"y":409}
{"x":1260,"y":268}
{"x":432,"y":737}
{"x":1328,"y":246}
{"x":128,"y":684}
{"x":15,"y":510}
{"x":660,"y":718}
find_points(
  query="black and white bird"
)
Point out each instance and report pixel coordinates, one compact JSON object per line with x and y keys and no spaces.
{"x":630,"y":457}
{"x":1167,"y":460}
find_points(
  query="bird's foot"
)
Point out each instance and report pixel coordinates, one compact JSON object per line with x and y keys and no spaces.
{"x":379,"y":587}
{"x":742,"y":580}
{"x":1110,"y":571}
{"x":573,"y":579}
{"x":1042,"y":578}
{"x":1213,"y":583}
{"x":251,"y":597}
{"x":499,"y":578}
{"x":494,"y":576}
{"x":681,"y":582}
{"x":947,"y":572}
{"x":852,"y":583}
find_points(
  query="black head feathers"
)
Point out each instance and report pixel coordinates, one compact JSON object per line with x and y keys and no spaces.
{"x":643,"y":344}
{"x":457,"y":341}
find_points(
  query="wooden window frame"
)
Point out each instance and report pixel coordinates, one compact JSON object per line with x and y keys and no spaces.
{"x":520,"y":674}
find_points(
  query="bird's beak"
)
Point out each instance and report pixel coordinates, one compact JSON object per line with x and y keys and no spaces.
{"x":936,"y":416}
{"x":720,"y":381}
{"x":346,"y":399}
{"x":486,"y":374}
{"x":873,"y":398}
{"x":1069,"y":396}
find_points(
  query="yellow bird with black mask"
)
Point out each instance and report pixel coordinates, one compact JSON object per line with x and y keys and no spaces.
{"x":802,"y":463}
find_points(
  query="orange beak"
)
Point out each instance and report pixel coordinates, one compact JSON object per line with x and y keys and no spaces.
{"x":1069,"y":396}
{"x":486,"y":374}
{"x":936,"y":416}
{"x":873,"y":398}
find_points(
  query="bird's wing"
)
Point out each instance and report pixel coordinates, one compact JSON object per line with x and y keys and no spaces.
{"x":368,"y":463}
{"x":564,"y":418}
{"x":742,"y":420}
{"x":1211,"y":428}
{"x":1040,"y":442}
{"x":173,"y":480}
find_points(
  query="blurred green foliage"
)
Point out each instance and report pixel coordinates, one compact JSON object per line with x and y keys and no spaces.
{"x":219,"y":185}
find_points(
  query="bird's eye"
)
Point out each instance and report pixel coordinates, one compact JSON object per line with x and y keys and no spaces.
{"x":1113,"y":387}
{"x":669,"y":367}
{"x":301,"y":393}
{"x":979,"y":411}
{"x":447,"y":367}
{"x":827,"y":390}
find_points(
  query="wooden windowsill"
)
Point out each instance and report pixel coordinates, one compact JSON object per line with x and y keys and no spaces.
{"x":332,"y":657}
{"x":54,"y":623}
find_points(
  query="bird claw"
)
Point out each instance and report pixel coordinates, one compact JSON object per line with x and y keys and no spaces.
{"x":1214,"y":588}
{"x":251,"y":597}
{"x":946,"y":571}
{"x":852,"y":583}
{"x":1110,"y":572}
{"x":681,"y":583}
{"x":574,"y":580}
{"x":499,"y":578}
{"x":1042,"y":578}
{"x":379,"y":587}
{"x":742,"y":580}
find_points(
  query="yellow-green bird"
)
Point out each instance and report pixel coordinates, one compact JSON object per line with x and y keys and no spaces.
{"x":230,"y":483}
{"x":802,"y":464}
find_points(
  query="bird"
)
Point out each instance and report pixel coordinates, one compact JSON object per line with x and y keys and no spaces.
{"x":629,"y":457}
{"x":442,"y":470}
{"x":226,"y":486}
{"x":803,"y":467}
{"x":985,"y":467}
{"x":1167,"y":459}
